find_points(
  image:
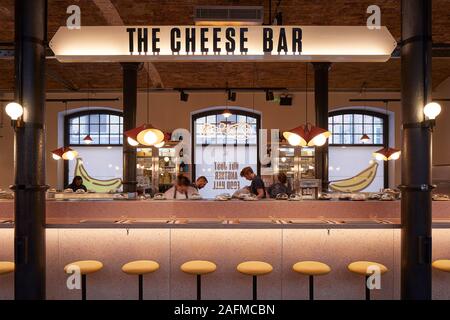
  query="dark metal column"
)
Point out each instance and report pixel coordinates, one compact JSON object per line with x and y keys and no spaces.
{"x":130,"y":72}
{"x":30,"y":188}
{"x":416,"y":151}
{"x":321,"y":102}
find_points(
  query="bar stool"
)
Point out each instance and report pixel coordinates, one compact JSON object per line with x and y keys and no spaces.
{"x":198,"y":268}
{"x":6,"y":267}
{"x":311,"y":269}
{"x":361,"y":268}
{"x":86,"y":267}
{"x":442,"y":265}
{"x":255,"y":269}
{"x":139,"y":268}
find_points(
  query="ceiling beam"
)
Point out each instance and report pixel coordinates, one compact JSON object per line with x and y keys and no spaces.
{"x":439,"y":50}
{"x":112,"y":17}
{"x":56,"y":76}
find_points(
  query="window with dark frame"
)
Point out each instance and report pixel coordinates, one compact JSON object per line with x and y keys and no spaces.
{"x":347,"y":128}
{"x":104,"y":127}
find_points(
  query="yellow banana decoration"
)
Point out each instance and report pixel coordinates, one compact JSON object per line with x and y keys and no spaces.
{"x":96,"y":184}
{"x":357,"y":183}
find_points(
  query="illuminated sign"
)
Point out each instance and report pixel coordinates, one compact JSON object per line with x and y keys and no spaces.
{"x":223,"y":43}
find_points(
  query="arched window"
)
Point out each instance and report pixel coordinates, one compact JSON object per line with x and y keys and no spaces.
{"x":348,"y":126}
{"x":213,"y":128}
{"x":104,"y":126}
{"x":223,"y":146}
{"x":351,"y":163}
{"x":101,"y":159}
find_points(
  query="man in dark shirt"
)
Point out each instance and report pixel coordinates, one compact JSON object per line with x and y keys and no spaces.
{"x":257,"y":186}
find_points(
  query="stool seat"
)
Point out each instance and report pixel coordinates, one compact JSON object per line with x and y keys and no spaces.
{"x":86,"y":266}
{"x":198,"y":267}
{"x":361,"y":267}
{"x":6,"y":267}
{"x":311,"y":268}
{"x":140,"y":267}
{"x":442,"y":265}
{"x":254,"y":268}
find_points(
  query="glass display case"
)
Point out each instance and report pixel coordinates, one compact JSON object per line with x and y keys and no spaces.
{"x":168,"y":167}
{"x":307,"y":165}
{"x":145,"y":169}
{"x":158,"y":168}
{"x":297,"y":163}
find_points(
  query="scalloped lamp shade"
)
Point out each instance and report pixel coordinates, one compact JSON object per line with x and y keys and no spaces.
{"x":145,"y":135}
{"x":307,"y":136}
{"x":64,"y":153}
{"x":386,"y":154}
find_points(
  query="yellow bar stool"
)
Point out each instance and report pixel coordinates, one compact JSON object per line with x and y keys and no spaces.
{"x":86,"y":267}
{"x":442,"y":265}
{"x":311,"y":269}
{"x":198,"y":268}
{"x":364,"y":268}
{"x":6,"y":267}
{"x":254,"y":269}
{"x":139,"y":268}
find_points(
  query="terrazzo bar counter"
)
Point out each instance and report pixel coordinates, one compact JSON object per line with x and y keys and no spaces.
{"x":81,"y":209}
{"x":226,"y":244}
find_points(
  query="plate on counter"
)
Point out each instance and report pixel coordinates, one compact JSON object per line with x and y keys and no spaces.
{"x":305,"y":221}
{"x":251,"y":221}
{"x":150,"y":221}
{"x":88,"y":221}
{"x":368,"y":221}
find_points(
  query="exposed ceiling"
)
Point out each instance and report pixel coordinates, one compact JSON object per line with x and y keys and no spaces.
{"x":343,"y":76}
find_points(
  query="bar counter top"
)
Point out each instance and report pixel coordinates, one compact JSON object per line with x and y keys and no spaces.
{"x":263,"y":214}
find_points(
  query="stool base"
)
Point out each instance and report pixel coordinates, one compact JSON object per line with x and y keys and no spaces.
{"x":367,"y":288}
{"x":199,"y":287}
{"x":311,"y":287}
{"x":83,"y":287}
{"x":255,"y":288}
{"x":141,"y":287}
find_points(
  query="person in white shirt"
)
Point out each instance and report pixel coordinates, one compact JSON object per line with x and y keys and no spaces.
{"x":181,"y":190}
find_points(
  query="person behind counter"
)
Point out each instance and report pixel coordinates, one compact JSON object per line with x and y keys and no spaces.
{"x":257,"y":186}
{"x":200,"y":183}
{"x":77,"y":184}
{"x":280,"y":187}
{"x":180,"y":190}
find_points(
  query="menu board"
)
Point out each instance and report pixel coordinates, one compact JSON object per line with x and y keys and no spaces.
{"x":222,"y":167}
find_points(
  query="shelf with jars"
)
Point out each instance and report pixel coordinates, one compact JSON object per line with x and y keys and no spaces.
{"x":297,"y":163}
{"x":157,"y":168}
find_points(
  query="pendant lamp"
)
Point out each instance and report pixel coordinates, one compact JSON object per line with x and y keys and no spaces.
{"x":307,"y":135}
{"x":88,"y":139}
{"x":146,"y":134}
{"x":65,"y":153}
{"x":386,"y":154}
{"x":365,"y":138}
